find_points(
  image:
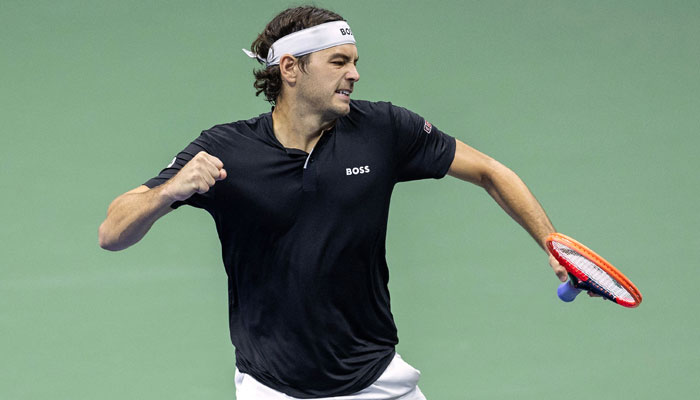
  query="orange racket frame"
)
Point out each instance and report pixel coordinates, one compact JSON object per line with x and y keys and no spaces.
{"x":597,"y":260}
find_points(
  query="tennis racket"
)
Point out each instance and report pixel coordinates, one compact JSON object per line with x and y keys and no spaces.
{"x":589,"y":271}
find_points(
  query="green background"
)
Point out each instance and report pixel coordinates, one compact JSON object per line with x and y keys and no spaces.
{"x":593,"y":103}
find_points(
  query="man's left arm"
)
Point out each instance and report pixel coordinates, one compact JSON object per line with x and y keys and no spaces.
{"x":509,"y":191}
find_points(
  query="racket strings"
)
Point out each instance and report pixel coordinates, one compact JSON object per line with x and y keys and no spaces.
{"x":597,"y":276}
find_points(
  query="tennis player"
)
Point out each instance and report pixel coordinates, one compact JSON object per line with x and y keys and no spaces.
{"x":300,"y":197}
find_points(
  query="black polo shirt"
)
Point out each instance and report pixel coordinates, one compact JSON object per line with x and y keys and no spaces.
{"x":303,"y":242}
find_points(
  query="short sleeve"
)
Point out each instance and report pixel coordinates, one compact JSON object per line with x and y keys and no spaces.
{"x":423,"y":150}
{"x":182,"y":158}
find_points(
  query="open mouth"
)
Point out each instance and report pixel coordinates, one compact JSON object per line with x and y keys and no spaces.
{"x":345,"y":93}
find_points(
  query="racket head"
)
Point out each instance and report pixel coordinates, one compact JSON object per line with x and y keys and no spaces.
{"x":592,"y":272}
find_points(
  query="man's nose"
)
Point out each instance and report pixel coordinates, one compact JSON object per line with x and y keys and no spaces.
{"x":353,"y":74}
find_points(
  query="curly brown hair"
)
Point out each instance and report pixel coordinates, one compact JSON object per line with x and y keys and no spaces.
{"x":268,"y":80}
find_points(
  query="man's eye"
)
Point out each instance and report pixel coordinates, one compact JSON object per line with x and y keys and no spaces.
{"x":338,"y":63}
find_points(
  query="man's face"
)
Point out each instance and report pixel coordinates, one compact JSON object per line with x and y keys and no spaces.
{"x":329,"y":79}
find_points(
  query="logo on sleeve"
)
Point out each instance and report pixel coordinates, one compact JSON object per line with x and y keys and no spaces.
{"x":172,"y":162}
{"x":427,"y":127}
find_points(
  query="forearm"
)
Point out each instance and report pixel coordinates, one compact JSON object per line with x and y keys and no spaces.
{"x":509,"y":191}
{"x":131,"y":215}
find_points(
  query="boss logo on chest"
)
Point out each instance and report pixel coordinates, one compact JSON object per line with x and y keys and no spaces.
{"x":357,"y":170}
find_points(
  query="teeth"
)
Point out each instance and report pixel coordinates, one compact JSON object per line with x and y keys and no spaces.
{"x":344,"y":92}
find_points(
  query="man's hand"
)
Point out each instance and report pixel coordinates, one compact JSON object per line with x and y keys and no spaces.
{"x":558,"y":269}
{"x":562,"y":274}
{"x":197,"y":176}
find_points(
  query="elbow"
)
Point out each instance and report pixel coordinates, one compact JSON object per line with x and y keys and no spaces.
{"x":105,"y":240}
{"x":493,"y":171}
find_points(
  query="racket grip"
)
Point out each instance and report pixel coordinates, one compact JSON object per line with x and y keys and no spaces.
{"x":567,"y":292}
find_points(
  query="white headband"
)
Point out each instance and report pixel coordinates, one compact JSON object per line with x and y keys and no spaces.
{"x":307,"y":41}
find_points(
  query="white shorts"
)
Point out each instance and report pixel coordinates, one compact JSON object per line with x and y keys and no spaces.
{"x":398,"y":382}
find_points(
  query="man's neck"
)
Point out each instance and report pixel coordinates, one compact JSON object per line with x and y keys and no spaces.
{"x":297,"y":128}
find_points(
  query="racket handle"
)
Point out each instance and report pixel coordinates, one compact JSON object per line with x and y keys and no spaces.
{"x":567,"y":292}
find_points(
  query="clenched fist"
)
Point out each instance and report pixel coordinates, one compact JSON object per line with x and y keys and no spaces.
{"x":197,"y":176}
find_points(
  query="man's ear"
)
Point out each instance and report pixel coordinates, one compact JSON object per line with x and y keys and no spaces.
{"x":289,"y":68}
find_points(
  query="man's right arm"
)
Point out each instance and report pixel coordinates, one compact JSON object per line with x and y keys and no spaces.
{"x":132,"y":214}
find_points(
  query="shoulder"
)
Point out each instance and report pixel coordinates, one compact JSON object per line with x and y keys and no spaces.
{"x":370,"y":109}
{"x":228,"y":134}
{"x":386,"y":116}
{"x":368,"y":114}
{"x":242,"y":127}
{"x":379,"y":110}
{"x":383,"y":116}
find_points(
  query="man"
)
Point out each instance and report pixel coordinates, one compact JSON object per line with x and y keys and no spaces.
{"x":300,"y":197}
